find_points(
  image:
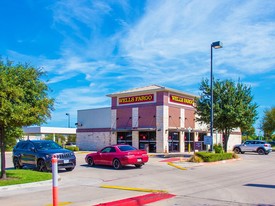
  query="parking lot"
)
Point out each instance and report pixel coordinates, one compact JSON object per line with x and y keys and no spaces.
{"x":247,"y":181}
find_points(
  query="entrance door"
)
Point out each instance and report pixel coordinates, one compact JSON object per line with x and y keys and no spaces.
{"x":147,"y":141}
{"x":174,"y":143}
{"x":189,"y":141}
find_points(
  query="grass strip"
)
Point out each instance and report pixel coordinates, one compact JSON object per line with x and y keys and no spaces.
{"x":15,"y":177}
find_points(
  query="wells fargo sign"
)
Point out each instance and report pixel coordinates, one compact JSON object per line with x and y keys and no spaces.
{"x":136,"y":99}
{"x":181,"y":100}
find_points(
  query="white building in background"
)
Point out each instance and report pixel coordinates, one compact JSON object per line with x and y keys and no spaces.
{"x":37,"y":133}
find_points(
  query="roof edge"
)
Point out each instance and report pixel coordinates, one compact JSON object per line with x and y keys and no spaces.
{"x":153,"y":88}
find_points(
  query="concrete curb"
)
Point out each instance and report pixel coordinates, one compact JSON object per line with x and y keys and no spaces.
{"x":27,"y":185}
{"x":139,"y":200}
{"x":220,"y":162}
{"x":188,"y":165}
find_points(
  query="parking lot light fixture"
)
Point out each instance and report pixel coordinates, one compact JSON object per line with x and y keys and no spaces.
{"x":215,"y":45}
{"x":69,"y":124}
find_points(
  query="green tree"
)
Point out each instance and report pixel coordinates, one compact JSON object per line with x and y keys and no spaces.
{"x":11,"y":136}
{"x":59,"y":138}
{"x":24,"y":100}
{"x":248,"y":132}
{"x":232,"y":105}
{"x":71,"y":138}
{"x":268,"y":122}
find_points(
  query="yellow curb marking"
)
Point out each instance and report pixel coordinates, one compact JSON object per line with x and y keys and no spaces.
{"x":83,"y":152}
{"x":133,"y":189}
{"x":176,"y":166}
{"x":61,"y":203}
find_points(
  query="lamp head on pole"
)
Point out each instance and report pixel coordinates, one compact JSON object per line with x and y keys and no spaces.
{"x":217,"y":44}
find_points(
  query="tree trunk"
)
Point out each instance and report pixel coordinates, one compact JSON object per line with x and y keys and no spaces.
{"x":3,"y":159}
{"x":225,"y":134}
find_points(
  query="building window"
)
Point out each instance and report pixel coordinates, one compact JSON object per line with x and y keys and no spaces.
{"x":124,"y":138}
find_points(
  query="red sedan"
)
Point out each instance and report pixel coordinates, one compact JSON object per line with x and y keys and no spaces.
{"x":118,"y":156}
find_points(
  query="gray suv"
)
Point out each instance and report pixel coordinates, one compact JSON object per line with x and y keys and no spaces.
{"x":259,"y":146}
{"x":38,"y":154}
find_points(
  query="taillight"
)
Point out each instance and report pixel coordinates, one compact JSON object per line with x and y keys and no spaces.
{"x":266,"y":145}
{"x":129,"y":156}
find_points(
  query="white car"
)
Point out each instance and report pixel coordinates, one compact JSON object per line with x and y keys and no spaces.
{"x":70,"y":144}
{"x":259,"y":146}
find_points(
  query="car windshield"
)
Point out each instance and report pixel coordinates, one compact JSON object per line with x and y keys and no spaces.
{"x":46,"y":145}
{"x":126,"y":148}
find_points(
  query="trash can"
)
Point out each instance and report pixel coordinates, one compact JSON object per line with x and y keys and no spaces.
{"x":146,"y":147}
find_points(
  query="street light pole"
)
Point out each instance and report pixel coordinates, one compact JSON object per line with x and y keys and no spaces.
{"x":69,"y":124}
{"x":189,"y":146}
{"x":215,"y":45}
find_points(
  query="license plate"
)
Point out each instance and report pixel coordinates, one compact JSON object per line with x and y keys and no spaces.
{"x":66,"y":161}
{"x":139,"y":160}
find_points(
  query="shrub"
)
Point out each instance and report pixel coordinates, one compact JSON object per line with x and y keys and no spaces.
{"x":213,"y":157}
{"x":234,"y":155}
{"x":218,"y":148}
{"x":195,"y":158}
{"x":72,"y":148}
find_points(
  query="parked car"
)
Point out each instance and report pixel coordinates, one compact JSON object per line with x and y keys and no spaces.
{"x":70,"y":144}
{"x":259,"y":146}
{"x":118,"y":156}
{"x":38,"y":154}
{"x":272,"y":143}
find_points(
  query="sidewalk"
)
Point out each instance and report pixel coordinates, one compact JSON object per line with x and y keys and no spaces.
{"x":180,"y":160}
{"x":26,"y":185}
{"x":173,"y":154}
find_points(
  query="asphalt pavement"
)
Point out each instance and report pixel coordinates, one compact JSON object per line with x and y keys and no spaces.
{"x":164,"y":180}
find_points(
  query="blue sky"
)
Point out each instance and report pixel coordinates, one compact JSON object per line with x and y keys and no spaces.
{"x":91,"y":48}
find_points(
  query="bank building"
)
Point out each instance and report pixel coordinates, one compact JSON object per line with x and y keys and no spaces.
{"x":155,"y":118}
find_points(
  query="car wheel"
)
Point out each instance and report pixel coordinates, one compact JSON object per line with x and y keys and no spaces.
{"x":16,"y":163}
{"x":138,"y":165}
{"x":91,"y":162}
{"x":69,"y":169}
{"x":116,"y":164}
{"x":237,"y":150}
{"x":41,"y":166}
{"x":261,"y":151}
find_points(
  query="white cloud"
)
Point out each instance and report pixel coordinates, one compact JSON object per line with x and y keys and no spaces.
{"x":82,"y":98}
{"x":168,"y":45}
{"x":177,"y":31}
{"x":70,"y":13}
